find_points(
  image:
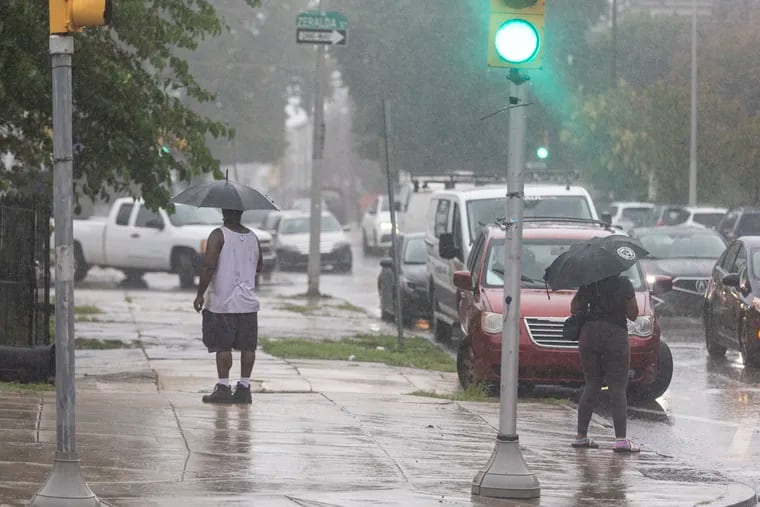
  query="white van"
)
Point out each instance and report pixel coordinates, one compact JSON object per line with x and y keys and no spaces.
{"x":464,"y":213}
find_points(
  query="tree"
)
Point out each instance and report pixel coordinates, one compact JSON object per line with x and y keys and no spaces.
{"x":126,"y":81}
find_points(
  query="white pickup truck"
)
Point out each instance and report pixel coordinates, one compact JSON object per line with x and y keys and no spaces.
{"x":136,"y":240}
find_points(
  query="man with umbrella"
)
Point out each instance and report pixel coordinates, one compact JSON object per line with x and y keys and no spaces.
{"x":227,"y":288}
{"x":605,"y":299}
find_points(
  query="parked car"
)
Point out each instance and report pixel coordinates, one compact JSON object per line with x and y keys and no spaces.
{"x":137,"y":240}
{"x":292,"y":242}
{"x":629,"y":215}
{"x":700,"y":216}
{"x":464,"y":213}
{"x":376,"y":225}
{"x":732,"y":302}
{"x":740,"y":222}
{"x":412,"y":279}
{"x":687,"y":255}
{"x":545,"y":357}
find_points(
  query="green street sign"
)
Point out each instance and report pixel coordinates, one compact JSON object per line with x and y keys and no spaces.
{"x":315,"y":27}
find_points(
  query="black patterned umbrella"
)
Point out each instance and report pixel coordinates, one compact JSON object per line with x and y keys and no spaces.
{"x":593,"y":260}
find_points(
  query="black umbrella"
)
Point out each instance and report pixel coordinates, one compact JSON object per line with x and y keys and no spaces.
{"x":593,"y":260}
{"x":225,"y":194}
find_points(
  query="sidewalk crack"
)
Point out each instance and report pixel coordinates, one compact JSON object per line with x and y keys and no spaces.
{"x":142,"y":345}
{"x":369,"y":435}
{"x":184,"y":439}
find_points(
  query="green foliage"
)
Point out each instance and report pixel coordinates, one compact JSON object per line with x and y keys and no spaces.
{"x":127,"y":80}
{"x":476,"y":392}
{"x":416,"y":353}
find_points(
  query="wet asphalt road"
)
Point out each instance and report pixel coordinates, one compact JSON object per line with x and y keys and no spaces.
{"x":708,"y":418}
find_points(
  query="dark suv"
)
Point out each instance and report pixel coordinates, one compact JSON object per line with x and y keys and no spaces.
{"x":740,"y":222}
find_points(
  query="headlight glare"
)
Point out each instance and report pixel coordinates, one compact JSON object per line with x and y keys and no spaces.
{"x":643,"y":326}
{"x":385,"y":226}
{"x":492,"y":322}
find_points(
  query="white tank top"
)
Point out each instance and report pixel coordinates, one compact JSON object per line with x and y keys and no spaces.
{"x":233,"y":286}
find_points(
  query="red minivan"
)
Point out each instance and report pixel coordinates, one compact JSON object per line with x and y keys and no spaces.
{"x":545,"y":357}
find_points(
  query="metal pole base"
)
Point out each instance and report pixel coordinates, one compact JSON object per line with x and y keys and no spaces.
{"x":506,"y":475}
{"x":65,"y":487}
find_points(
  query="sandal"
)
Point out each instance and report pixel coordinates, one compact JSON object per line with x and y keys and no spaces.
{"x":625,"y":446}
{"x":585,"y":443}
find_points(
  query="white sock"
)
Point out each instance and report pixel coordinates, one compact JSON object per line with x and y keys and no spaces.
{"x":245,"y":382}
{"x":224,"y":382}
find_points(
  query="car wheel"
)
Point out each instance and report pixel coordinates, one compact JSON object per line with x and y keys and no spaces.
{"x":80,"y":264}
{"x":441,"y":330}
{"x":365,"y":244}
{"x":662,"y":380}
{"x":186,"y":270}
{"x":465,"y":367}
{"x":714,"y":349}
{"x":750,"y":348}
{"x":385,"y":315}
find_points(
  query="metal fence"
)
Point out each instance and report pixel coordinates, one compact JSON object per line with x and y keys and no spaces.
{"x":24,"y":272}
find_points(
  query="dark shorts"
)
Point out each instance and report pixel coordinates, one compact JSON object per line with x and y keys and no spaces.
{"x":223,"y":332}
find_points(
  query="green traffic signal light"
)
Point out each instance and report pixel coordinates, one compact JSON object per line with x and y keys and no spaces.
{"x":517,"y":41}
{"x":542,"y":153}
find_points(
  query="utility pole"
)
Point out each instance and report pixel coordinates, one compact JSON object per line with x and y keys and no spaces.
{"x":395,"y":247}
{"x":693,"y":141}
{"x":65,"y":484}
{"x":506,"y":474}
{"x":613,"y":50}
{"x":315,"y":264}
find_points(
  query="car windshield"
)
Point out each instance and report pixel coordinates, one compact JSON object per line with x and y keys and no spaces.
{"x":710,"y":220}
{"x":749,"y":225}
{"x":415,"y":252}
{"x":639,"y":216}
{"x":537,"y":255}
{"x":301,"y":225}
{"x":190,"y":215}
{"x":675,"y":245}
{"x":484,"y":211}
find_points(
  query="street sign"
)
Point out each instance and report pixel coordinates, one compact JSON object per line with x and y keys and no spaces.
{"x":315,"y":27}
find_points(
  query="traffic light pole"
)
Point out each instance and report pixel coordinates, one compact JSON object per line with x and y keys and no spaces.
{"x":65,"y":486}
{"x":506,"y":475}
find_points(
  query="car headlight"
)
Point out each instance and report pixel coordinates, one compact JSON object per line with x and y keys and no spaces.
{"x":385,"y":226}
{"x":642,"y":326}
{"x":651,"y":279}
{"x":492,"y":322}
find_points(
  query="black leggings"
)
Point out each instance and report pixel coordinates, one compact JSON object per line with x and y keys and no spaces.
{"x":605,"y":358}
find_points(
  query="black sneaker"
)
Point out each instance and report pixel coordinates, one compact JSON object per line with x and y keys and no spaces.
{"x":242,"y":394}
{"x":221,"y":394}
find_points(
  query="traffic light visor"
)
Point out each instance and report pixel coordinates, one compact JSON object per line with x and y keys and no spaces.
{"x":517,"y":41}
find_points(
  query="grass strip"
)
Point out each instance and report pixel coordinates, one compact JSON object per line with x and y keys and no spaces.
{"x":416,"y":353}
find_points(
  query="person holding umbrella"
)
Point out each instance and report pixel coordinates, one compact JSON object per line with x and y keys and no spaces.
{"x":226,"y":293}
{"x":605,"y":299}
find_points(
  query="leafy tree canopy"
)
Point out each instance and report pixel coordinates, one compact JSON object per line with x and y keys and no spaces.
{"x":127,"y":81}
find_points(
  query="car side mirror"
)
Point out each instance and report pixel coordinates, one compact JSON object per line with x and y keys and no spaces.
{"x":386,"y":262}
{"x":155,"y":223}
{"x":446,"y":247}
{"x":607,"y":217}
{"x":731,"y":280}
{"x":463,"y":280}
{"x":662,"y":284}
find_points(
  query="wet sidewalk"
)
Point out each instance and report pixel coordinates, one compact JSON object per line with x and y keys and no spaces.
{"x":319,"y":433}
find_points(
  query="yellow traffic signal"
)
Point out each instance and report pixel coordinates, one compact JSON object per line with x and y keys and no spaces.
{"x":68,"y":16}
{"x":516,"y":34}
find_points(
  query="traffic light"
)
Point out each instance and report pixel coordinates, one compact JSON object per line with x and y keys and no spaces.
{"x":516,"y":34}
{"x":68,"y":16}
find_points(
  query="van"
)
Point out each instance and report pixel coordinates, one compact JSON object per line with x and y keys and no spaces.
{"x":464,"y":213}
